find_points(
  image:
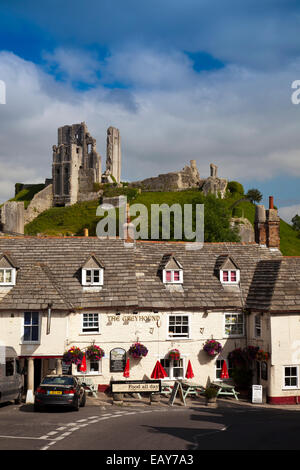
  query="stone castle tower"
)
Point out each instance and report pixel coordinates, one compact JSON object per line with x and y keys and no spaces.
{"x":76,"y":165}
{"x":113,"y":155}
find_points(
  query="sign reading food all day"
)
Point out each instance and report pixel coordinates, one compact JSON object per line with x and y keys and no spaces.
{"x":136,"y":386}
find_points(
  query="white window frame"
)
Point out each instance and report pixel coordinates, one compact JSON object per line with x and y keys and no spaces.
{"x":237,"y":275}
{"x":229,"y":368}
{"x":82,"y":324}
{"x":88,"y":370}
{"x":183,"y":336}
{"x":180,"y":281}
{"x":38,"y":341}
{"x":234,"y":335}
{"x":92,"y":283}
{"x":13,"y":277}
{"x":171,"y":368}
{"x":257,"y":327}
{"x":290,"y":387}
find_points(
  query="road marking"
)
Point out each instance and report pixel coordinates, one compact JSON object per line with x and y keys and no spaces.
{"x":24,"y":437}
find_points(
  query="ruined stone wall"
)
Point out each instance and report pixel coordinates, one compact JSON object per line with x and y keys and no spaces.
{"x":41,"y":202}
{"x":12,"y":217}
{"x":187,"y":178}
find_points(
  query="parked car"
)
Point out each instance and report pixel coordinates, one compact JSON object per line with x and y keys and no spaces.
{"x":11,"y":383}
{"x":59,"y":390}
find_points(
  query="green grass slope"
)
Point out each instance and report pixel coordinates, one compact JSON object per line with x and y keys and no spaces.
{"x":72,"y":220}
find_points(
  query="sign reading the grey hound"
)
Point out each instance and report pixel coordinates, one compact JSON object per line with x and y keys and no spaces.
{"x":135,"y":386}
{"x":177,"y":388}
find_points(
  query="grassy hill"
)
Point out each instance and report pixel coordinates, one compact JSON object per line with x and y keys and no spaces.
{"x":72,"y":220}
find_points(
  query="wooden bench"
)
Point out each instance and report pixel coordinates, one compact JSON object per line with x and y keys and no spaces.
{"x":88,"y":384}
{"x":166,"y":389}
{"x":225,"y":389}
{"x":191,"y":388}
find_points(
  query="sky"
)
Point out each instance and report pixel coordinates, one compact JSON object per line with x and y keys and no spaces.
{"x":204,"y":80}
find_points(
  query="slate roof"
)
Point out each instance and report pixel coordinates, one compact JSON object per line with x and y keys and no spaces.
{"x":49,"y":270}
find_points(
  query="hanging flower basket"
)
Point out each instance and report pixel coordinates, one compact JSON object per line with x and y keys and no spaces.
{"x":94,"y":353}
{"x":174,"y":354}
{"x":212,"y":347}
{"x":73,"y":356}
{"x":138,"y":350}
{"x":262,"y":355}
{"x":251,"y":352}
{"x":238,"y":357}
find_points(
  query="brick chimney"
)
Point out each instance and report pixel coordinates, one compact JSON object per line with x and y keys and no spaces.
{"x":129,"y":229}
{"x":267,"y":225}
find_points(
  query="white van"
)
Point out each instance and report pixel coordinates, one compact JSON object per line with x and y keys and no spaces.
{"x":11,"y":383}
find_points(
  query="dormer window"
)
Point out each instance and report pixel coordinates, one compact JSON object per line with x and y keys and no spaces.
{"x":170,"y":270}
{"x":7,"y":277}
{"x":92,"y":277}
{"x":229,"y":273}
{"x":173,"y":276}
{"x":92,"y":272}
{"x":229,"y":277}
{"x":7,"y":271}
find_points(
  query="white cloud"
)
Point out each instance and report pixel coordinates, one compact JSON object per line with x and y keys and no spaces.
{"x":241,"y":120}
{"x":73,"y":64}
{"x":287,"y":213}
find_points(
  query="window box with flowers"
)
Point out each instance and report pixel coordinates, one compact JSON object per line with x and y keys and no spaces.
{"x":212,"y":347}
{"x":174,"y":355}
{"x":94,"y":353}
{"x":73,"y":356}
{"x":138,"y":350}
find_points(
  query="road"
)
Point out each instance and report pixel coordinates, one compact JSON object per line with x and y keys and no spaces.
{"x":228,"y":427}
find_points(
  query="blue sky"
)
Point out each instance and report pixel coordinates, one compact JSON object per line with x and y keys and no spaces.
{"x":208,"y":80}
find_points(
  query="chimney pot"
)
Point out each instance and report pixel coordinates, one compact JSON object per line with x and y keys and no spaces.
{"x":86,"y":232}
{"x":271,"y":202}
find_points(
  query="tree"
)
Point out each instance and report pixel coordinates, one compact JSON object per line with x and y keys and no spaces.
{"x":235,"y":188}
{"x":296,"y":222}
{"x":254,"y":195}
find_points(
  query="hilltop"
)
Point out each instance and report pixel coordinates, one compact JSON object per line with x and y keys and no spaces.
{"x":72,"y":220}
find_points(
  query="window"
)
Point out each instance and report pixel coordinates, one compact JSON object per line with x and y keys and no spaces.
{"x":230,"y":276}
{"x":31,"y":327}
{"x":92,"y":367}
{"x":90,"y":323}
{"x":257,"y":326}
{"x":234,"y":324}
{"x":173,"y":276}
{"x":174,"y":369}
{"x":290,"y":377}
{"x":92,"y":277}
{"x":178,"y":326}
{"x":7,"y":277}
{"x":219,"y":365}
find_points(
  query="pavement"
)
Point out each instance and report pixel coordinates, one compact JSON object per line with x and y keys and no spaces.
{"x":131,"y":400}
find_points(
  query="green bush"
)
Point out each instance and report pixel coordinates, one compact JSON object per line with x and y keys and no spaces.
{"x":236,"y":188}
{"x":210,"y":392}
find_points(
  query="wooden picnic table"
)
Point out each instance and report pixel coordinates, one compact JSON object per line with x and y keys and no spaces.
{"x":225,"y":389}
{"x":192,"y":388}
{"x":189,"y":388}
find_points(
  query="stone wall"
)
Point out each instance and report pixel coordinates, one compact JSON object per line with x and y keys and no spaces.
{"x":12,"y":217}
{"x":187,"y":178}
{"x":41,"y":202}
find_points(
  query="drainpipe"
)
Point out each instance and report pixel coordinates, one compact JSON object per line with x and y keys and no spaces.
{"x":49,"y":319}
